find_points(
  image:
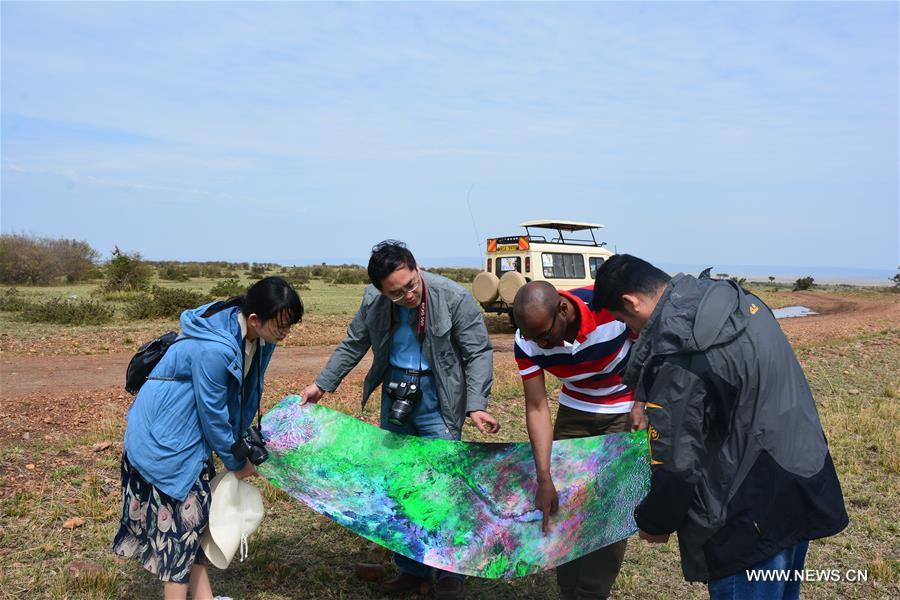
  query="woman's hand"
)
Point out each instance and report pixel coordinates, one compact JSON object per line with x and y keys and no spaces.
{"x":248,"y":470}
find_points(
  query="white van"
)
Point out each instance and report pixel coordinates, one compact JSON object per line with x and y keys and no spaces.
{"x":566,"y":262}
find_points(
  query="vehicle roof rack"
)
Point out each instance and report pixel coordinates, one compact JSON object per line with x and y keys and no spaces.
{"x":561,"y":226}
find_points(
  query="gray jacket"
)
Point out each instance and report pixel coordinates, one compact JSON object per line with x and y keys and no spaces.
{"x":456,"y":345}
{"x":741,"y":468}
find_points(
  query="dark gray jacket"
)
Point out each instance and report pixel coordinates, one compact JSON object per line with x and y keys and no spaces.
{"x":456,"y":345}
{"x":741,"y":467}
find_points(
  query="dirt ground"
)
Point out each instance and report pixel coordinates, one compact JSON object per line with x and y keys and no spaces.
{"x":60,"y":396}
{"x":62,"y":416}
{"x":840,"y":316}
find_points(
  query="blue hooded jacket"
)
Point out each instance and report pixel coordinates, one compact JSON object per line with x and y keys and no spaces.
{"x":174,"y":425}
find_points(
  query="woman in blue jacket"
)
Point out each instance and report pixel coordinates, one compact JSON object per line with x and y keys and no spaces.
{"x":201,"y":397}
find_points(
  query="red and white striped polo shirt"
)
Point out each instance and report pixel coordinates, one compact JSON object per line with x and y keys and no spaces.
{"x":591,"y":367}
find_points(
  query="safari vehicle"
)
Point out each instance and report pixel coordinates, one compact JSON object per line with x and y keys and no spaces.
{"x":511,"y":261}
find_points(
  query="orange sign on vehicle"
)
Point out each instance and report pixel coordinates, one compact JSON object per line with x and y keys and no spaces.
{"x":523,"y":243}
{"x":492,"y":245}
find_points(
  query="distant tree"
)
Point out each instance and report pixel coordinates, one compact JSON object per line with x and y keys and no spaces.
{"x":804,"y":283}
{"x":722,"y":275}
{"x":896,"y":280}
{"x":127,"y":272}
{"x":771,"y":279}
{"x":40,"y":261}
{"x":257,"y":270}
{"x":76,"y":258}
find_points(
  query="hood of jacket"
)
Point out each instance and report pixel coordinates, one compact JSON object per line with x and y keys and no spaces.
{"x":692,"y":315}
{"x":220,"y":327}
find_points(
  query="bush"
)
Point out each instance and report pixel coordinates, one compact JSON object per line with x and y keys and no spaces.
{"x":102,"y":294}
{"x":804,"y":283}
{"x":227,"y":288}
{"x":174,"y":273}
{"x":11,"y":301}
{"x":68,"y":312}
{"x":298,"y":275}
{"x":127,"y":272}
{"x":350,"y":276}
{"x":460,"y":274}
{"x":163,"y":302}
{"x":40,"y":261}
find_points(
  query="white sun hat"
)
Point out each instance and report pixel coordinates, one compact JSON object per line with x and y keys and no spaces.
{"x":234,"y":513}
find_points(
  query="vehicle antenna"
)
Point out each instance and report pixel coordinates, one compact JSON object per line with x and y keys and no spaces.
{"x":478,"y":240}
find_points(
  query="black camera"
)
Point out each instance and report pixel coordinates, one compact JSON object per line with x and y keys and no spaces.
{"x":251,"y":446}
{"x":404,"y":394}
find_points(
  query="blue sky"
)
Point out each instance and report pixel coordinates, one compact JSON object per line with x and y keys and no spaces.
{"x":741,"y":133}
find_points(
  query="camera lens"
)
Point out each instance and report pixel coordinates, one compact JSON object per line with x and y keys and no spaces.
{"x":400,"y":410}
{"x":258,"y":455}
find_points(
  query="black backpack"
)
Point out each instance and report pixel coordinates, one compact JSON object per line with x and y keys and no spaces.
{"x":147,"y":357}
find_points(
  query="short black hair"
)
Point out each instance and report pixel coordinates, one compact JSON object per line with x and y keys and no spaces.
{"x":625,"y":274}
{"x":387,"y":257}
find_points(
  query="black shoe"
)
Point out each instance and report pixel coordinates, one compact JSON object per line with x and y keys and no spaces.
{"x":404,"y":583}
{"x":450,"y":588}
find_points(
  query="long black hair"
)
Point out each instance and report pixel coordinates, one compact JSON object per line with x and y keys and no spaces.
{"x":268,"y":298}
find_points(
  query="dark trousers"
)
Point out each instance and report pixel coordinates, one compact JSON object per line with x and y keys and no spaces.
{"x":592,"y":575}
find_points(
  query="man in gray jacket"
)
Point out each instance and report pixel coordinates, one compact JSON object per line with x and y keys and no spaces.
{"x":741,"y":467}
{"x":433,"y":359}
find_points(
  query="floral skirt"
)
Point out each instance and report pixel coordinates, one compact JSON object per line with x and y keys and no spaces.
{"x":159,"y":531}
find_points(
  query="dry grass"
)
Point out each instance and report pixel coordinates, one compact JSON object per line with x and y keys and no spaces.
{"x":299,"y":554}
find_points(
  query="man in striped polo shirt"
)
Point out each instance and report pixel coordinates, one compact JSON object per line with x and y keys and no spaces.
{"x":588,"y":352}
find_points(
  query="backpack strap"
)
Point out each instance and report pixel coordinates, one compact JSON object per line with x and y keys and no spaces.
{"x":178,"y":339}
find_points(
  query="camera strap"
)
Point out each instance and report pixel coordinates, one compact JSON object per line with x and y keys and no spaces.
{"x":422,"y":318}
{"x":259,"y":385}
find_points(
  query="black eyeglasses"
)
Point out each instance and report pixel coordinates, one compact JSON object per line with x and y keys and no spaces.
{"x":546,"y":335}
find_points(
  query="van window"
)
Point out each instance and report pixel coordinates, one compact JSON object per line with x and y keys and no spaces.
{"x":594,"y":263}
{"x":505,"y":264}
{"x":562,"y":266}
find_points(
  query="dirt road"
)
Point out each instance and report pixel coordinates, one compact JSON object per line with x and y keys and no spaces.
{"x":25,"y":375}
{"x":65,"y":392}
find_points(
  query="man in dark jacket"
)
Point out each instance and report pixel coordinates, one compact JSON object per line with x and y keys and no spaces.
{"x":741,"y":468}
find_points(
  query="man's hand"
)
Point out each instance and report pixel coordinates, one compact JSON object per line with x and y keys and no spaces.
{"x":546,"y":500}
{"x":653,"y":539}
{"x":484,"y":421}
{"x":638,"y":416}
{"x":248,"y":470}
{"x":312,"y":393}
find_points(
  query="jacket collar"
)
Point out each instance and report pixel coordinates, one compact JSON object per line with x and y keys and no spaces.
{"x":643,"y":346}
{"x":586,"y":322}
